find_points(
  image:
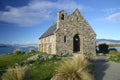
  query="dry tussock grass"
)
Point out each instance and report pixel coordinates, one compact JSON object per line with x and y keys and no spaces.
{"x":74,"y":69}
{"x":17,"y":73}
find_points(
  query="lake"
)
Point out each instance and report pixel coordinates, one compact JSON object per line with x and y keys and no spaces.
{"x":10,"y":49}
{"x":118,"y":48}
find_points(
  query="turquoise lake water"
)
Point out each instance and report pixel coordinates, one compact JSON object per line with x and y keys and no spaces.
{"x":10,"y":49}
{"x":5,"y":50}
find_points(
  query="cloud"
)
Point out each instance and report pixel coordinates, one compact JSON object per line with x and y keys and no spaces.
{"x":110,"y":11}
{"x":114,"y":17}
{"x":36,"y":12}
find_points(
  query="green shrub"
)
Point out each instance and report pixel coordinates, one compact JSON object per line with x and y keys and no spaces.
{"x":17,"y":73}
{"x":73,"y":69}
{"x":18,"y":51}
{"x":103,"y":48}
{"x":31,"y":50}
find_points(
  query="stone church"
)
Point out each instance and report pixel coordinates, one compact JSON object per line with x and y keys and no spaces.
{"x":70,"y":34}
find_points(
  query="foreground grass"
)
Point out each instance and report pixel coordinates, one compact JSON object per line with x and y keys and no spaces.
{"x":76,"y":68}
{"x":114,"y":56}
{"x":17,"y":73}
{"x":10,"y":60}
{"x":43,"y":69}
{"x":40,"y":70}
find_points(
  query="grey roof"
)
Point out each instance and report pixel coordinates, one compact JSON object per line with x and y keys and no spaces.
{"x":50,"y":31}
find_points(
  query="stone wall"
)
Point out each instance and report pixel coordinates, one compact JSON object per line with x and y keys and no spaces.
{"x":48,"y":44}
{"x":63,"y":39}
{"x":69,"y":27}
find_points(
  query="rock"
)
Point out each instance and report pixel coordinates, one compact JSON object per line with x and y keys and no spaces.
{"x":43,"y":57}
{"x":50,"y":57}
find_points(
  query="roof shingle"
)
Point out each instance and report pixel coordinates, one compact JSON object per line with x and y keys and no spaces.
{"x":50,"y":31}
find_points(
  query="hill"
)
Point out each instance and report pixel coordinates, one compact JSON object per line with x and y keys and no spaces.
{"x":3,"y":45}
{"x":107,"y":41}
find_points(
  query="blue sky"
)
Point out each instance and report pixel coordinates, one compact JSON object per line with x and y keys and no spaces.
{"x":24,"y":21}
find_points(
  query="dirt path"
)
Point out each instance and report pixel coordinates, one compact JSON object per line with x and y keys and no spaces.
{"x":106,"y":70}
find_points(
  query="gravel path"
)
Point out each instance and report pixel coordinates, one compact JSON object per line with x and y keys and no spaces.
{"x":106,"y":70}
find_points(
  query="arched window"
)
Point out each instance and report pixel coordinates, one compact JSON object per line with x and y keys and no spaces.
{"x":62,"y":17}
{"x":64,"y":39}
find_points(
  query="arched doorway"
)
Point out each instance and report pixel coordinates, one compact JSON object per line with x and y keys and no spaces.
{"x":76,"y":43}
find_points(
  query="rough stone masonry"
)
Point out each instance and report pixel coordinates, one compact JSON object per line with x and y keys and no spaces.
{"x":70,"y":34}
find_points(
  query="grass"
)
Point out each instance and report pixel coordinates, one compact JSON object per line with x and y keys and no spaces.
{"x":41,"y":69}
{"x":17,"y":73}
{"x":74,"y":69}
{"x":114,"y":56}
{"x":44,"y":70}
{"x":10,"y":60}
{"x":114,"y":45}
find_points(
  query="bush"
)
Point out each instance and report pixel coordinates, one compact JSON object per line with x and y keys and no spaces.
{"x":18,"y":51}
{"x":73,"y":69}
{"x":103,"y":48}
{"x":17,"y":73}
{"x":31,"y":50}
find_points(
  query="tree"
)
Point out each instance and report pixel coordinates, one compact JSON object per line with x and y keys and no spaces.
{"x":103,"y":48}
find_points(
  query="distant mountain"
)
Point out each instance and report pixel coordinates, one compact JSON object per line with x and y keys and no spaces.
{"x":19,"y":45}
{"x":28,"y":45}
{"x":107,"y":41}
{"x":4,"y":45}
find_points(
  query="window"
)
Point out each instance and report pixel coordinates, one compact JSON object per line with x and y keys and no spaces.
{"x":62,"y":17}
{"x":64,"y":39}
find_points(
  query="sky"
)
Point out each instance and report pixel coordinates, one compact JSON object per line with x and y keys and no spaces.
{"x":24,"y":21}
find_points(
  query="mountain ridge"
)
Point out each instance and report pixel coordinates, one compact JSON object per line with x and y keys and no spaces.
{"x":20,"y":45}
{"x":107,"y":41}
